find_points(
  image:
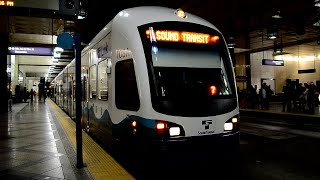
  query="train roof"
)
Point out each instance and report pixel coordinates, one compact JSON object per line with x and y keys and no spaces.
{"x":136,"y":16}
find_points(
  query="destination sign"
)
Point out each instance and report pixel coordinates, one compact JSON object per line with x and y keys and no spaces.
{"x":182,"y":36}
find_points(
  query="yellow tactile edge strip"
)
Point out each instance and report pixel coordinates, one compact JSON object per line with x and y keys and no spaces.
{"x":99,"y":163}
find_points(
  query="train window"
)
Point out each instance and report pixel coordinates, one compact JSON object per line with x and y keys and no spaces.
{"x":188,"y":76}
{"x":103,"y":80}
{"x":93,"y":85}
{"x":127,"y":96}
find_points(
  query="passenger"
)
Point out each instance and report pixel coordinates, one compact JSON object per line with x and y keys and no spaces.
{"x":31,"y":94}
{"x":303,"y":97}
{"x":25,"y":94}
{"x":287,"y":96}
{"x":311,"y":98}
{"x":265,"y":95}
{"x":34,"y":94}
{"x":251,"y":97}
{"x":48,"y":94}
{"x":44,"y":95}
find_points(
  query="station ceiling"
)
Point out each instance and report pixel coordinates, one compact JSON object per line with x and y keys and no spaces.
{"x":247,"y":21}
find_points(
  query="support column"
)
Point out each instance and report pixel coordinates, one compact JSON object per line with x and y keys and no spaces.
{"x":4,"y":42}
{"x":242,"y":63}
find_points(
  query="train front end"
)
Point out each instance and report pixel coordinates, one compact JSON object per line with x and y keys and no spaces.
{"x":192,"y":87}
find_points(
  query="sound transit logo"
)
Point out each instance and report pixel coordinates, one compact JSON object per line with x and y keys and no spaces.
{"x":206,"y":123}
{"x":207,"y":126}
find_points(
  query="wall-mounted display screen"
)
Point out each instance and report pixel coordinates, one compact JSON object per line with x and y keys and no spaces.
{"x":271,"y":62}
{"x":20,"y":50}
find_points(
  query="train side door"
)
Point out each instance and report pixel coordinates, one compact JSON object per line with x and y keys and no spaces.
{"x":85,"y":102}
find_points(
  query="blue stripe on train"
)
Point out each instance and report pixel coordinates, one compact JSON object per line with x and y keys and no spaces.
{"x":148,"y":123}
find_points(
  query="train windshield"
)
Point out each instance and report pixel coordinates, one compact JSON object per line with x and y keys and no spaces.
{"x":189,"y":68}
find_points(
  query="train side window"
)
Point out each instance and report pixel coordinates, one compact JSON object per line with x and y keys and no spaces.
{"x":127,"y":96}
{"x":103,"y":80}
{"x":93,"y":82}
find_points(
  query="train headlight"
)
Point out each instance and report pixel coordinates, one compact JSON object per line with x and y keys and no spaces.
{"x":232,"y":124}
{"x":228,"y":126}
{"x":174,"y":131}
{"x":234,"y":120}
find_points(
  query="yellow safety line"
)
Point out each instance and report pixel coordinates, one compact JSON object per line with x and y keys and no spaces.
{"x":99,"y":163}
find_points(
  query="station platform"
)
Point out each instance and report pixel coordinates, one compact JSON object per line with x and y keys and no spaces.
{"x":38,"y":141}
{"x":275,"y":112}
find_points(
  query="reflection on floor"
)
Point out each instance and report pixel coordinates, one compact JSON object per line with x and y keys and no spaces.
{"x":31,"y":147}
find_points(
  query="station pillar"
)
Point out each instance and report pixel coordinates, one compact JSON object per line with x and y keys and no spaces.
{"x":243,"y":63}
{"x":4,"y":42}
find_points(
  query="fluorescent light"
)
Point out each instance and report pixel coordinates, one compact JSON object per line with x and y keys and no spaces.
{"x":272,"y":37}
{"x":277,"y":15}
{"x":81,"y":17}
{"x":58,"y":49}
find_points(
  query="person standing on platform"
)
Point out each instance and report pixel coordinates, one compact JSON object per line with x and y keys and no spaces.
{"x":25,"y":94}
{"x":311,"y":98}
{"x":34,"y":94}
{"x":31,"y":94}
{"x":287,"y":93}
{"x":44,"y":95}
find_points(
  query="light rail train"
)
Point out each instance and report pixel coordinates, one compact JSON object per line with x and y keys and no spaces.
{"x":158,"y":77}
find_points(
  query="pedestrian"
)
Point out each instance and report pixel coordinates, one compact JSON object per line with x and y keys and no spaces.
{"x":25,"y":94}
{"x":31,"y":94}
{"x":263,"y":96}
{"x":44,"y":95}
{"x":287,"y":96}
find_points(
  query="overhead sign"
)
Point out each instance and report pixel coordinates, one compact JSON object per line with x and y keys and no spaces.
{"x":65,"y":40}
{"x":271,"y":62}
{"x":47,"y":4}
{"x":65,"y":7}
{"x":302,"y":71}
{"x":20,"y":50}
{"x":6,"y":3}
{"x":241,"y":78}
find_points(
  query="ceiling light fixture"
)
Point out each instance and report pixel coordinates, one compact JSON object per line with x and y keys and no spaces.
{"x":277,"y":47}
{"x":272,"y":33}
{"x":317,"y":3}
{"x":180,"y":13}
{"x":231,"y":43}
{"x":277,"y":15}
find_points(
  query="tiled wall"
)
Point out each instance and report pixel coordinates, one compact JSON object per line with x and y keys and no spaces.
{"x":281,"y":73}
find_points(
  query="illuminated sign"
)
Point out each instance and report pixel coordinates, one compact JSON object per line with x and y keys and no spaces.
{"x":6,"y":3}
{"x":272,"y":62}
{"x":301,"y":71}
{"x":182,"y":36}
{"x":41,"y":51}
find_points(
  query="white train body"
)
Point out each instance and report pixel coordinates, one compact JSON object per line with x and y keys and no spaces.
{"x":152,"y":76}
